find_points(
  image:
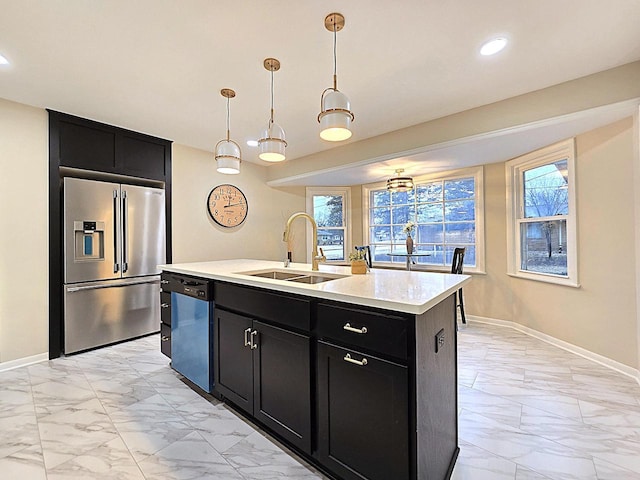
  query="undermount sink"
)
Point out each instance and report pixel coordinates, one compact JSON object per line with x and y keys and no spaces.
{"x":275,"y":274}
{"x":312,"y":279}
{"x":298,"y":277}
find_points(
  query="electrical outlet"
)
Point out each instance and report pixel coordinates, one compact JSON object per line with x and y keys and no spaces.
{"x":439,"y":340}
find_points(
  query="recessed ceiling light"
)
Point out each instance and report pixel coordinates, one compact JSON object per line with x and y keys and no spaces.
{"x":252,"y":143}
{"x":3,"y":60}
{"x":493,"y":46}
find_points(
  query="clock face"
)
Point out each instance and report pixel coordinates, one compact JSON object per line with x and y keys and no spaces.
{"x":227,"y":205}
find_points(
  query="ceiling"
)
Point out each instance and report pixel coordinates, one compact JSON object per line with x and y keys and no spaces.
{"x":157,"y":66}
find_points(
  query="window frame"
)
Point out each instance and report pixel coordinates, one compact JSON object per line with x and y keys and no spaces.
{"x":478,"y":175}
{"x":345,"y":192}
{"x":514,"y":170}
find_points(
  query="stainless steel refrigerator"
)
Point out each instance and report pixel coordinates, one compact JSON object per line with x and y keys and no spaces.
{"x":114,"y":238}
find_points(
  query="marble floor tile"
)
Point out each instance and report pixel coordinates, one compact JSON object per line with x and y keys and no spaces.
{"x":110,"y":461}
{"x":528,"y":411}
{"x":149,"y":425}
{"x":18,"y":430}
{"x":474,"y":463}
{"x":73,"y":431}
{"x":223,"y":429}
{"x":25,"y":464}
{"x":257,"y":457}
{"x":190,"y":458}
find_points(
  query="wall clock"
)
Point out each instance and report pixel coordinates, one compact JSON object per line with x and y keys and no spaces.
{"x":227,"y":205}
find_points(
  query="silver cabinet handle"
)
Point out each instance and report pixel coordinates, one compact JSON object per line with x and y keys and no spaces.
{"x":362,"y":363}
{"x":164,"y":305}
{"x":349,"y":328}
{"x":246,"y":337}
{"x":253,"y":345}
{"x":164,"y":282}
{"x":164,"y":338}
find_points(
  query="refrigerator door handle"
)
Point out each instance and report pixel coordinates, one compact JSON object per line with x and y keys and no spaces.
{"x":116,"y":265}
{"x":110,"y":285}
{"x":125,"y":232}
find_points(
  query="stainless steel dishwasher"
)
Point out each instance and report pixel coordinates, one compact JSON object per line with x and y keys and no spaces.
{"x":192,"y":329}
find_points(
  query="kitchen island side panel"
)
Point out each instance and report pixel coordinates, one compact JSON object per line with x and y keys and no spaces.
{"x":436,"y":391}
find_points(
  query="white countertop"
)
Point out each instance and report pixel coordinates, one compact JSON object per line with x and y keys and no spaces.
{"x":400,"y":290}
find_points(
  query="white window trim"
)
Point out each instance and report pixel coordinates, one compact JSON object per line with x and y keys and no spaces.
{"x":478,"y":174}
{"x":558,"y":151}
{"x":346,"y":192}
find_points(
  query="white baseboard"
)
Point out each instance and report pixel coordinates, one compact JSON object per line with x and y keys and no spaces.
{"x":594,"y":357}
{"x":23,"y":362}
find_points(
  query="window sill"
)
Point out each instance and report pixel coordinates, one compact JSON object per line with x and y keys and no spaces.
{"x":429,"y":269}
{"x":565,"y":282}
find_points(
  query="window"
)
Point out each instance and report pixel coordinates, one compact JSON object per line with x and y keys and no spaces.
{"x":541,"y":219}
{"x":447,"y":210}
{"x":330,"y":207}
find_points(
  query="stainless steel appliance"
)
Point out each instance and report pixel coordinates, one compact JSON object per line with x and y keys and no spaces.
{"x":114,"y":238}
{"x":192,"y":329}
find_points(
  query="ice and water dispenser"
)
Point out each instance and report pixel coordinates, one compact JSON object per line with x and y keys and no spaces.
{"x":89,"y":241}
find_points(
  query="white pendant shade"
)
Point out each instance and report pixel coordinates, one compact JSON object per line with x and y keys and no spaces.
{"x":228,"y":157}
{"x":272,"y":144}
{"x":335,"y":117}
{"x":227,"y":152}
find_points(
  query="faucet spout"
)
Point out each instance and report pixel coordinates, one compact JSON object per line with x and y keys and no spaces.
{"x":315,"y":258}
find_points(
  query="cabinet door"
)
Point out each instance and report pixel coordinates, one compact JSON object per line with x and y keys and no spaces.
{"x":234,"y":366}
{"x":84,"y":144}
{"x":363,"y":419}
{"x":282,"y":383}
{"x":141,"y":156}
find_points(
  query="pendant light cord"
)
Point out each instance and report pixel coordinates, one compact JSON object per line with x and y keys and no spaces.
{"x":335,"y":56}
{"x":228,"y":120}
{"x":271,"y":118}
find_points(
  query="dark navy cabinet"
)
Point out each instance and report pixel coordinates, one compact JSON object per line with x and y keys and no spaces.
{"x":362,"y":393}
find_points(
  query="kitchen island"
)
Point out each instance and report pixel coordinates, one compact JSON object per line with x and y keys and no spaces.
{"x":357,"y":373}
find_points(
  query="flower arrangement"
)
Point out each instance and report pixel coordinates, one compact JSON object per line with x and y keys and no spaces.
{"x":358,"y":260}
{"x":359,"y":254}
{"x":408,"y":227}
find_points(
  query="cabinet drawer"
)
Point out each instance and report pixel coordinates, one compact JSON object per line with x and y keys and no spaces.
{"x":165,"y":339}
{"x":265,"y":305}
{"x":386,"y":334}
{"x":169,"y":282}
{"x":165,"y":307}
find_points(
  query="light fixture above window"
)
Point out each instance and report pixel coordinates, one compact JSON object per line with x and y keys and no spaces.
{"x":493,"y":46}
{"x":335,"y":109}
{"x":272,"y":143}
{"x":227,"y":151}
{"x":400,"y":183}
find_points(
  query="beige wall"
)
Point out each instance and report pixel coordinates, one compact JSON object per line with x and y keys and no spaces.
{"x":603,"y":88}
{"x":197,"y":238}
{"x":601,"y":315}
{"x":24,"y":216}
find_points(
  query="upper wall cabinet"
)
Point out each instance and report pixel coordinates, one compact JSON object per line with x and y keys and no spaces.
{"x":95,"y":146}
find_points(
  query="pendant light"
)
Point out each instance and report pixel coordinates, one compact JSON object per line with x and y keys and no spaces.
{"x":400,"y":183}
{"x":227,"y":151}
{"x":272,"y":143}
{"x":335,"y":109}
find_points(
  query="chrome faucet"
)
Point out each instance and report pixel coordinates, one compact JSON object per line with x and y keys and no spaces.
{"x":315,"y":258}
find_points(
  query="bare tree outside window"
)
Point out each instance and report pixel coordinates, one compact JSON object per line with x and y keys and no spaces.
{"x":545,"y":197}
